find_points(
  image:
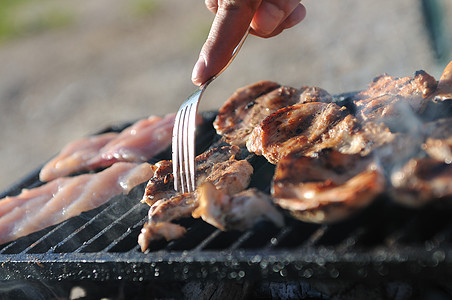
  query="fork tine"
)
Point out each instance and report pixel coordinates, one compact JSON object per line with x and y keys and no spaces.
{"x":191,"y":182}
{"x":175,"y":150}
{"x":184,"y":153}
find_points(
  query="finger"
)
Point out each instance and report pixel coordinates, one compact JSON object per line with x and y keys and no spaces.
{"x":271,"y":14}
{"x":230,"y":24}
{"x":212,"y":5}
{"x":298,"y":14}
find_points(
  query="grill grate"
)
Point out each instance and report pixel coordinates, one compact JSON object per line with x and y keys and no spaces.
{"x":383,"y":241}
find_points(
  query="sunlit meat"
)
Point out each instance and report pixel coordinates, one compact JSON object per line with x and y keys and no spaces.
{"x":395,"y":99}
{"x":421,"y":181}
{"x":308,"y":128}
{"x":328,"y":188}
{"x":248,"y":106}
{"x":239,"y":211}
{"x":217,"y":166}
{"x":65,"y":197}
{"x":438,"y":143}
{"x":161,"y":185}
{"x":444,"y":90}
{"x":137,"y":143}
{"x":166,"y":230}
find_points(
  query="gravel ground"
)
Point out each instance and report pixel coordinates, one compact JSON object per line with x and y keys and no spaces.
{"x":117,"y":62}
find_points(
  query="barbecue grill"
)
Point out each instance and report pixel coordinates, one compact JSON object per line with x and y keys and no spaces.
{"x":384,"y":243}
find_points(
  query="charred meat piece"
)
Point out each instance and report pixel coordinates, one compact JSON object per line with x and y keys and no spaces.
{"x":161,"y":185}
{"x":328,"y":188}
{"x":166,"y":230}
{"x":66,"y":197}
{"x":421,"y":181}
{"x":293,"y":129}
{"x":239,"y":211}
{"x":248,"y":106}
{"x":230,"y":177}
{"x":438,"y":143}
{"x":308,"y":128}
{"x":314,"y":94}
{"x":389,"y":98}
{"x":217,"y":166}
{"x":444,"y":90}
{"x":137,"y":143}
{"x":177,"y":207}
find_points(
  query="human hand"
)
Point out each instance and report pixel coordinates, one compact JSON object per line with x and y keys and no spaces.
{"x":266,"y":18}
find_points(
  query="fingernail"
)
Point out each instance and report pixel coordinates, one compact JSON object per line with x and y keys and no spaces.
{"x":271,"y":17}
{"x":198,"y":71}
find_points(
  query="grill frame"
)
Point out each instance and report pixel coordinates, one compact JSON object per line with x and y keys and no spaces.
{"x":360,"y":248}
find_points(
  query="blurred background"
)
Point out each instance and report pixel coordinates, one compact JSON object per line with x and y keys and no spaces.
{"x":69,"y":69}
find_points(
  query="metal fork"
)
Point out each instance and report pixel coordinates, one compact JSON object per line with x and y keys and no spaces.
{"x":183,"y":142}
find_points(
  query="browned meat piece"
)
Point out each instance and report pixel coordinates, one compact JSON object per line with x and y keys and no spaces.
{"x":314,"y":94}
{"x":177,"y":207}
{"x":328,"y":188}
{"x":240,"y":211}
{"x":248,"y":106}
{"x":229,"y":177}
{"x":161,"y":185}
{"x":168,"y":231}
{"x":422,"y":84}
{"x":388,"y":98}
{"x":439,"y":140}
{"x":444,"y":90}
{"x":292,"y":129}
{"x":217,"y":166}
{"x":308,"y":128}
{"x":421,"y":181}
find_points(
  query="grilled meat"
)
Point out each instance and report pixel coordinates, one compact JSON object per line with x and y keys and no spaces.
{"x":438,"y":143}
{"x":166,"y":230}
{"x":177,"y":207}
{"x":136,"y":143}
{"x":160,"y":186}
{"x":65,"y":197}
{"x":328,"y":188}
{"x":239,"y":211}
{"x":248,"y":106}
{"x":421,"y":181}
{"x":217,"y":166}
{"x":308,"y":128}
{"x":444,"y":90}
{"x":391,"y":99}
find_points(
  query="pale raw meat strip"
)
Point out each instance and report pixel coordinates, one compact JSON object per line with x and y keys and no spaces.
{"x":66,"y":197}
{"x":137,"y":143}
{"x":75,"y":156}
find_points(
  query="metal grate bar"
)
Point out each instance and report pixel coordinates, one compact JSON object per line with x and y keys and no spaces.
{"x":122,"y":243}
{"x":59,"y":227}
{"x":131,"y":214}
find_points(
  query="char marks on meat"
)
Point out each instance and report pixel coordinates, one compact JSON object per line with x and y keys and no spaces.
{"x":160,"y":186}
{"x":389,"y":98}
{"x":421,"y":181}
{"x":66,"y":197}
{"x":136,"y":143}
{"x":308,"y":128}
{"x":248,"y":106}
{"x":328,"y":188}
{"x":239,"y":211}
{"x":217,"y":166}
